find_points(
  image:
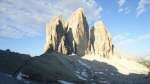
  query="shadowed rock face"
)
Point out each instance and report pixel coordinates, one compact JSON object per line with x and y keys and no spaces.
{"x":73,"y":36}
{"x":100,"y":40}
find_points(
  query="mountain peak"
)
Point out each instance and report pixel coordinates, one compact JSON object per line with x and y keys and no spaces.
{"x":54,"y":34}
{"x":100,"y":40}
{"x":78,"y":27}
{"x":78,"y":14}
{"x":74,"y":36}
{"x":57,"y":19}
{"x":99,"y":24}
{"x":79,"y":10}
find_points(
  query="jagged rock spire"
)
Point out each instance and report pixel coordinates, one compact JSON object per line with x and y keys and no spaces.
{"x":54,"y":33}
{"x":77,"y":27}
{"x":73,"y":36}
{"x":100,"y":40}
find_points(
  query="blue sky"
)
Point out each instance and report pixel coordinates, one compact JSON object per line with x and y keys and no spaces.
{"x":22,"y":22}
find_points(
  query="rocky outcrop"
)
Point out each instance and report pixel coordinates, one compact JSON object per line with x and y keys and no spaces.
{"x":55,"y":36}
{"x":69,"y":38}
{"x":73,"y":36}
{"x":78,"y":32}
{"x":100,"y":40}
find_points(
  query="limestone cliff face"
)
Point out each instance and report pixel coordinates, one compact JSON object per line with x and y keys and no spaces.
{"x":78,"y":32}
{"x":100,"y":40}
{"x":73,"y":36}
{"x":55,"y":35}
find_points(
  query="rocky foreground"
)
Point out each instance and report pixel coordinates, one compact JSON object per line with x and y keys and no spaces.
{"x":56,"y":68}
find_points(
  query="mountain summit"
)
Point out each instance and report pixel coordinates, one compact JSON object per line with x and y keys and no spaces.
{"x":78,"y":32}
{"x":73,"y":36}
{"x":100,"y":40}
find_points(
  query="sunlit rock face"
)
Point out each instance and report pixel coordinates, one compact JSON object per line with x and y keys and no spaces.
{"x":73,"y":36}
{"x":78,"y":32}
{"x":55,"y":35}
{"x":100,"y":40}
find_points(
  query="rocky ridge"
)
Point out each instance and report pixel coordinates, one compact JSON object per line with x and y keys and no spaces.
{"x":73,"y":36}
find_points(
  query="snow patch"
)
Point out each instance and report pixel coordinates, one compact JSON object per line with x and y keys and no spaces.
{"x":64,"y":82}
{"x":99,"y":72}
{"x":73,"y":54}
{"x":80,"y":77}
{"x":106,"y":69}
{"x":105,"y":82}
{"x":19,"y":76}
{"x":84,"y":74}
{"x":112,"y":74}
{"x":84,"y":64}
{"x":77,"y":72}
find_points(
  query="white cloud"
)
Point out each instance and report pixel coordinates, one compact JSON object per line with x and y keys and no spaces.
{"x":122,"y":8}
{"x":142,"y":6}
{"x":121,"y":2}
{"x":126,"y":41}
{"x":28,"y":17}
{"x":126,"y":10}
{"x":120,"y":38}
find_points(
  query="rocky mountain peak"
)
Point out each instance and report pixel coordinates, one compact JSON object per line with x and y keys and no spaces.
{"x":73,"y":36}
{"x":100,"y":40}
{"x":77,"y":27}
{"x":100,"y":25}
{"x":79,"y":11}
{"x":54,"y":32}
